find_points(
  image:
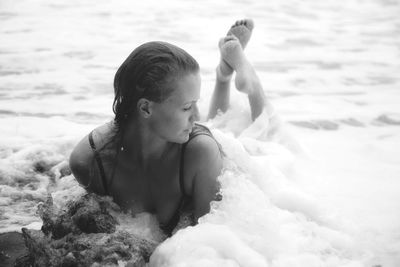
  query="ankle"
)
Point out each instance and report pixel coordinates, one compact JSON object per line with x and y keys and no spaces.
{"x":221,"y":77}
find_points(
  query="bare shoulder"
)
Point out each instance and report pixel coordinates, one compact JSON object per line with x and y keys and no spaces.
{"x":203,"y":165}
{"x":202,"y":150}
{"x":82,"y":161}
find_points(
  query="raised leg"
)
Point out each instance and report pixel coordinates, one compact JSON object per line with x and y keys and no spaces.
{"x":221,"y":95}
{"x":246,"y":80}
{"x":242,"y":30}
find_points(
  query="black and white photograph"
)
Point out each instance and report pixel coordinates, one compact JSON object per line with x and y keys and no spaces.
{"x":231,"y":133}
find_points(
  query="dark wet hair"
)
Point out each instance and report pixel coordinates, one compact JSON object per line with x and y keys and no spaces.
{"x":148,"y":72}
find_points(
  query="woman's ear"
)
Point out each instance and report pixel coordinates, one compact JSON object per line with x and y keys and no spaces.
{"x":144,"y":107}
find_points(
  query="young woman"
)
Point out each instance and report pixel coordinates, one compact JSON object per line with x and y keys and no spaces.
{"x":153,"y":157}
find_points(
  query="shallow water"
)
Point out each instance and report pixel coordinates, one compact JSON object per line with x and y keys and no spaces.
{"x":331,"y":70}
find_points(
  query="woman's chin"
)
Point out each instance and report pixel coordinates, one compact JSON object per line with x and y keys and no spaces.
{"x":184,"y":137}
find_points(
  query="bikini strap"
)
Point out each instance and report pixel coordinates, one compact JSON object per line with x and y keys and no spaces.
{"x":181,"y":182}
{"x":170,"y":226}
{"x":99,"y":162}
{"x":173,"y":222}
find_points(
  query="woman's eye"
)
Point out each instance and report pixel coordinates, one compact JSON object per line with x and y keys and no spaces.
{"x":187,"y":108}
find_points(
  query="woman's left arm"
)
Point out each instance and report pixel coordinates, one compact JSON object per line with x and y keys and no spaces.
{"x":203,"y":165}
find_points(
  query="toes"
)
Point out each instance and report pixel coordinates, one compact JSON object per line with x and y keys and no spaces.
{"x":249,"y":24}
{"x":244,"y":22}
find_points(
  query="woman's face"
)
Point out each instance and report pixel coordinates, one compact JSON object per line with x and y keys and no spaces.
{"x":173,"y":119}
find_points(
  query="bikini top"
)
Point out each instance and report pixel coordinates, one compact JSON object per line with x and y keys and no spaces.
{"x":198,"y":129}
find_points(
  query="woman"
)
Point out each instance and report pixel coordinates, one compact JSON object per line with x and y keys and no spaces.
{"x":153,"y":157}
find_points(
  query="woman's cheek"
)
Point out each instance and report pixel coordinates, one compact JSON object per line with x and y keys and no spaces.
{"x":181,"y":117}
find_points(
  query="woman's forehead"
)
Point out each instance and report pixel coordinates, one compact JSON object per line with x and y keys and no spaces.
{"x":186,"y":89}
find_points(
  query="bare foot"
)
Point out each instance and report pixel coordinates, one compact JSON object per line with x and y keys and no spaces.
{"x":242,"y":30}
{"x":232,"y":54}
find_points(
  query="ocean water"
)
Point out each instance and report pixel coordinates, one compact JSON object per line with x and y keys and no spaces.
{"x":317,"y":183}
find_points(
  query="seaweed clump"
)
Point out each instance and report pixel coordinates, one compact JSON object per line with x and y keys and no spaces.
{"x":83,"y":234}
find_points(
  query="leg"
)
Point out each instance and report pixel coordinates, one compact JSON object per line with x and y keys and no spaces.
{"x":242,"y":29}
{"x":246,"y":79}
{"x":221,"y":94}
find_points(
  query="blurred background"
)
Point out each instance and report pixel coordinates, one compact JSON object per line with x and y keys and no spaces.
{"x":330,"y":68}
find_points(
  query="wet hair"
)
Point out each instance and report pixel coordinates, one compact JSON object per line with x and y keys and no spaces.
{"x":149,"y":72}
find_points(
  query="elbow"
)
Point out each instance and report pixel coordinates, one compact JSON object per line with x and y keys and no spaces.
{"x":79,"y":169}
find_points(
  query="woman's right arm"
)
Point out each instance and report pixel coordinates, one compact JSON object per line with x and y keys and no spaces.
{"x":81,"y":162}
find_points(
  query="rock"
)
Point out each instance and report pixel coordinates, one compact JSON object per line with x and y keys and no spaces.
{"x":87,"y":249}
{"x":84,"y":234}
{"x":90,"y":216}
{"x":11,"y":247}
{"x":39,"y":246}
{"x":89,"y":222}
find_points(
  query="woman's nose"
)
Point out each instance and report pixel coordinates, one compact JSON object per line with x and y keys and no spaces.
{"x":195,"y":116}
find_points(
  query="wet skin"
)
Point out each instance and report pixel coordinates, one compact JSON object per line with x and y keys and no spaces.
{"x":147,"y":174}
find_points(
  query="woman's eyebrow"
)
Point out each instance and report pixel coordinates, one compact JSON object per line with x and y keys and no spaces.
{"x":192,"y":101}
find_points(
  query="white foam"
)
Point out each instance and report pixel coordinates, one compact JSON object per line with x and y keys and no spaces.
{"x":297,"y":197}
